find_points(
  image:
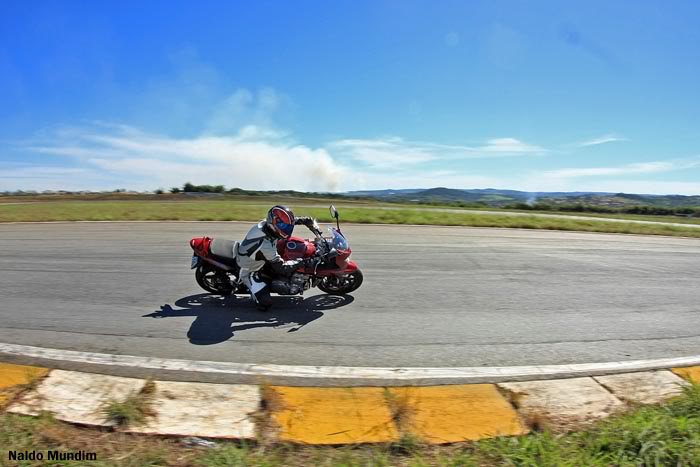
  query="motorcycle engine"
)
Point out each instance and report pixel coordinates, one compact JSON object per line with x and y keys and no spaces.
{"x":292,"y":286}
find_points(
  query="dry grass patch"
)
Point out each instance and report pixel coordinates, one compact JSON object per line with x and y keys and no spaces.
{"x":663,"y":435}
{"x":266,"y":427}
{"x":134,"y":409}
{"x":43,"y":433}
{"x":32,"y":375}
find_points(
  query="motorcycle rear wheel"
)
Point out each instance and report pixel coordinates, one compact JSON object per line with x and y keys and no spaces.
{"x":341,"y":285}
{"x":213,"y":281}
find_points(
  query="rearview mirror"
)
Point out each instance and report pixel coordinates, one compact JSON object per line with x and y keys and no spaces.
{"x":334,"y":212}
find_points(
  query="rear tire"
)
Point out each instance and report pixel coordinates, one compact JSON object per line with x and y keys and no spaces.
{"x":213,"y":280}
{"x":341,"y":285}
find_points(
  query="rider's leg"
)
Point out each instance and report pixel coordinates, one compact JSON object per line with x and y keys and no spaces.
{"x":259,"y":291}
{"x":263,"y":299}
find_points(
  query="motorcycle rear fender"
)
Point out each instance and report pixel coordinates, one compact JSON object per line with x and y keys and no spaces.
{"x":200,"y":245}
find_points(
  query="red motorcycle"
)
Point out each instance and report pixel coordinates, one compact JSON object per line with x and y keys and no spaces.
{"x":328,"y":264}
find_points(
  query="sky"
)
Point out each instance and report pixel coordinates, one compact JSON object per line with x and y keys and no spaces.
{"x":351,"y":95}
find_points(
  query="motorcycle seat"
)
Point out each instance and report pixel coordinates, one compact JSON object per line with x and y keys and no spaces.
{"x":223,"y":251}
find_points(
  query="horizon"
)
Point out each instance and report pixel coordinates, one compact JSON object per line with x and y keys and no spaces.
{"x":356,"y":96}
{"x":368,"y":193}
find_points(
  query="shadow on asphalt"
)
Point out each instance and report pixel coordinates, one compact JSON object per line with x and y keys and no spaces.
{"x":218,"y":318}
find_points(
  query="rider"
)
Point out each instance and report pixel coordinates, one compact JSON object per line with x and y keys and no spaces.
{"x":259,"y":247}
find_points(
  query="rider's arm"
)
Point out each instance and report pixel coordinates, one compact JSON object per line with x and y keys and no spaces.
{"x":304,"y":220}
{"x":309,"y":222}
{"x":278,"y":265}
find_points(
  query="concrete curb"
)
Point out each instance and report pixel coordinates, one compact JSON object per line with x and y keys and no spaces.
{"x":324,"y":375}
{"x":335,"y":416}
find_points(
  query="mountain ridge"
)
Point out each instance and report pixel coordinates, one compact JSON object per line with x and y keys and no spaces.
{"x":499,"y":197}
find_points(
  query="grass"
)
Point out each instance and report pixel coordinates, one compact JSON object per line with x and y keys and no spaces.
{"x":32,"y":378}
{"x":664,"y":435}
{"x":21,"y":433}
{"x":231,"y":210}
{"x":667,"y":435}
{"x":634,"y":217}
{"x":134,"y":409}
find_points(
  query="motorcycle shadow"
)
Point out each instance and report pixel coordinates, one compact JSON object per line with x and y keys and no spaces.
{"x":218,"y":318}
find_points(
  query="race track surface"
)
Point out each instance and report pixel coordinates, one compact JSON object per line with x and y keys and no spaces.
{"x":432,"y":297}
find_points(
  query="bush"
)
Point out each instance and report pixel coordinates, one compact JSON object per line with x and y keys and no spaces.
{"x":190,"y":188}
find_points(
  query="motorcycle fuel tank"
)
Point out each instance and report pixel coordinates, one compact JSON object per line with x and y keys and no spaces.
{"x":295,"y":248}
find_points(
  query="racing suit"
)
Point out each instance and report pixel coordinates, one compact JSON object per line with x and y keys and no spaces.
{"x":258,"y":248}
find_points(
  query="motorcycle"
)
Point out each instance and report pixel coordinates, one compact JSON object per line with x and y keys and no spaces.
{"x":327,"y":264}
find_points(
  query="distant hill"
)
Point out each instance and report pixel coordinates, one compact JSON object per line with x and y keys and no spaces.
{"x":499,"y":198}
{"x":381,"y":193}
{"x":625,"y":200}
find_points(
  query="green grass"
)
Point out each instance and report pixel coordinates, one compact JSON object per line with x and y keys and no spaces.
{"x":635,"y":217}
{"x":229,"y":210}
{"x":319,"y":199}
{"x":667,"y":435}
{"x":664,"y":435}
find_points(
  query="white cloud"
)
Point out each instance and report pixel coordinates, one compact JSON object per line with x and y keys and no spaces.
{"x":369,"y":180}
{"x":243,"y":107}
{"x":382,"y":153}
{"x":107,"y":156}
{"x":641,"y":177}
{"x":610,"y":138}
{"x":629,"y":169}
{"x":40,"y":171}
{"x":509,"y":147}
{"x":253,"y":159}
{"x":40,"y":177}
{"x":639,"y":168}
{"x":608,"y":185}
{"x":389,"y":152}
{"x":652,"y":187}
{"x":263,"y":158}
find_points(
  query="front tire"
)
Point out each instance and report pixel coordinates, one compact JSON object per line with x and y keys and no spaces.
{"x":213,"y":280}
{"x":341,"y":285}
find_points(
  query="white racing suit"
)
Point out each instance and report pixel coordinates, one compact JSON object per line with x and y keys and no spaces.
{"x":259,"y":247}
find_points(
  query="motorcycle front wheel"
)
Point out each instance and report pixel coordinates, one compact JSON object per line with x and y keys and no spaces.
{"x":213,"y":280}
{"x":341,"y":285}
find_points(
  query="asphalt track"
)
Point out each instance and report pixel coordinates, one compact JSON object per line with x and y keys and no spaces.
{"x":432,"y":297}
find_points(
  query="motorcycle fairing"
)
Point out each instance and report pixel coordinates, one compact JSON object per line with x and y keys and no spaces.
{"x":347,"y":265}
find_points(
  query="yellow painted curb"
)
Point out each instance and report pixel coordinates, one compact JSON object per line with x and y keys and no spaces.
{"x":449,"y":414}
{"x":15,"y":375}
{"x":332,"y":415}
{"x":691,"y":373}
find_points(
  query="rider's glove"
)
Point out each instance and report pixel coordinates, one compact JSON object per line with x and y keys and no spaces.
{"x":304,"y":220}
{"x":285,"y":268}
{"x":310,"y":262}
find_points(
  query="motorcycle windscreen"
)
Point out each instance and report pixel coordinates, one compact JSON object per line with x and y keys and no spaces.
{"x":339,"y":242}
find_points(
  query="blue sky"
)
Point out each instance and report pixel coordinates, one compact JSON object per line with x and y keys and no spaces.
{"x":310,"y":95}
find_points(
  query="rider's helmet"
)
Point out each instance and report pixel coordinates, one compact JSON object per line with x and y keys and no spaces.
{"x":280,"y":220}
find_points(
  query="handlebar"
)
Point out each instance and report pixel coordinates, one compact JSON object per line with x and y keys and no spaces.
{"x":325,"y":253}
